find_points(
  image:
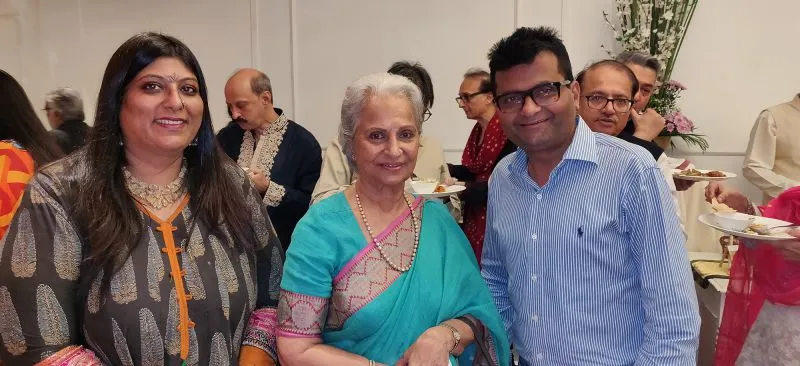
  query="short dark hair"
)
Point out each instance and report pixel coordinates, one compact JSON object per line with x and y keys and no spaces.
{"x":616,"y":65}
{"x":419,"y":76}
{"x":641,"y":59}
{"x":523,"y":46}
{"x":479,"y":73}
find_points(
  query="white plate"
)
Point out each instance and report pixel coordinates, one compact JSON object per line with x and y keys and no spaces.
{"x":709,"y":220}
{"x":450,"y":190}
{"x":677,"y":174}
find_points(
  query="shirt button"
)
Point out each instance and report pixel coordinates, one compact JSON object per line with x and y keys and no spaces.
{"x":533,"y":278}
{"x":539,"y":356}
{"x":533,"y":236}
{"x":539,"y":196}
{"x":535,"y":317}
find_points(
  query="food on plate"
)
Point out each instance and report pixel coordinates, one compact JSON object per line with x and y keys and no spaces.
{"x":697,"y":173}
{"x":440,"y":189}
{"x":757,"y":229}
{"x":720,"y":207}
{"x":691,"y":173}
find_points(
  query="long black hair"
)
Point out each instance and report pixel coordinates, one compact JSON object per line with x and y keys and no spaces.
{"x":19,"y":122}
{"x":114,"y":224}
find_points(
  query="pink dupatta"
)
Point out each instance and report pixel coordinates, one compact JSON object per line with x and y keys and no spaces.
{"x":758,"y":274}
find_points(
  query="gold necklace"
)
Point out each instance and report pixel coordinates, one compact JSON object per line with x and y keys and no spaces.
{"x":156,"y":196}
{"x":380,"y":246}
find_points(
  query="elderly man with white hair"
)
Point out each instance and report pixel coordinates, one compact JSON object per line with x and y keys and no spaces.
{"x":64,"y":108}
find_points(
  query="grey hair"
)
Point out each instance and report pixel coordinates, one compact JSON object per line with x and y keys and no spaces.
{"x":360,"y":92}
{"x":476,"y":72}
{"x":261,"y":83}
{"x":641,"y":59}
{"x":67,"y":103}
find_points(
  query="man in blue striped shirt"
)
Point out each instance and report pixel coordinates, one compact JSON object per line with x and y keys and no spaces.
{"x":583,"y":252}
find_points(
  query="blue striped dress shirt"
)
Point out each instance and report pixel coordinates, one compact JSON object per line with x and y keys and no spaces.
{"x":590,"y":269}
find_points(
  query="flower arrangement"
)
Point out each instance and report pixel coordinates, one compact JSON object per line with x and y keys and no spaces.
{"x":658,"y":28}
{"x":665,"y":102}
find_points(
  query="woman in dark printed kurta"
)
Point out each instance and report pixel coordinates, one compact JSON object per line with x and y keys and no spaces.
{"x":105,"y":263}
{"x":140,"y":321}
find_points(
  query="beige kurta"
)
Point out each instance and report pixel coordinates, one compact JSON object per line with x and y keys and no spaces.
{"x":772,"y":161}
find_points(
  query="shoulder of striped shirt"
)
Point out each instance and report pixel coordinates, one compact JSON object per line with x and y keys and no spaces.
{"x":623,"y":149}
{"x":506,"y":161}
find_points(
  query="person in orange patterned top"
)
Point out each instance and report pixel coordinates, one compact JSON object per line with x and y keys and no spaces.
{"x":16,"y":168}
{"x":24,"y":143}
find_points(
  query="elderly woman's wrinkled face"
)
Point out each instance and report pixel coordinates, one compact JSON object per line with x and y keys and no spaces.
{"x":386,"y":140}
{"x":162,"y":109}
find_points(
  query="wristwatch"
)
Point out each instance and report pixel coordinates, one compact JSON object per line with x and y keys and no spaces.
{"x":456,"y":335}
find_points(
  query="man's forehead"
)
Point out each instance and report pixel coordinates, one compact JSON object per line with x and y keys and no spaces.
{"x":605,"y":75}
{"x":234,"y":92}
{"x":543,"y":69}
{"x":237,"y":100}
{"x":470,"y":83}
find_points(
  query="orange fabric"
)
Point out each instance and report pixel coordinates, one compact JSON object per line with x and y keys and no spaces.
{"x":166,"y":229}
{"x":16,"y":169}
{"x":254,"y":356}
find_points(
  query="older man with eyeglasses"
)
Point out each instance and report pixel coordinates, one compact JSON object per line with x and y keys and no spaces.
{"x":486,"y":145}
{"x":608,"y":90}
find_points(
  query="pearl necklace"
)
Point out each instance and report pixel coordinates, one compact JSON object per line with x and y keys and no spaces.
{"x":380,"y":246}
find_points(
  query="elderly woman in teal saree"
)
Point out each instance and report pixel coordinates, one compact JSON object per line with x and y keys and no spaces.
{"x":410,"y":294}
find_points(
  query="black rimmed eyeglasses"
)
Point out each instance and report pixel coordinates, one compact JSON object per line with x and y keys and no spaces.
{"x":621,"y":105}
{"x":543,"y":95}
{"x":462,"y":99}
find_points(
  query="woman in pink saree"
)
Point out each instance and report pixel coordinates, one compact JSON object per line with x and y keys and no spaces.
{"x":374,"y":275}
{"x":761,"y":320}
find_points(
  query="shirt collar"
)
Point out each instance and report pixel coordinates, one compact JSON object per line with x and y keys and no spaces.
{"x":584,"y":144}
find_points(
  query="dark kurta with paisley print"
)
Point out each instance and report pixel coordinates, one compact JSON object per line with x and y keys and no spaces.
{"x":144,"y":319}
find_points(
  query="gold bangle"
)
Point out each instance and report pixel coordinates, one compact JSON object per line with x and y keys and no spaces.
{"x":456,"y":335}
